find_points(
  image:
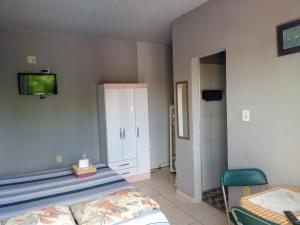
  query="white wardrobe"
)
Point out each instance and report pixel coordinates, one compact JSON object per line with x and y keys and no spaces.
{"x":124,"y":129}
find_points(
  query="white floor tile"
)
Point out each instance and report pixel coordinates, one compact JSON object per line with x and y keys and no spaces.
{"x":163,"y":202}
{"x":200,"y":211}
{"x":148,"y":191}
{"x":219,"y":219}
{"x":163,"y":188}
{"x":175,"y":199}
{"x":178,"y":217}
{"x":178,"y":210}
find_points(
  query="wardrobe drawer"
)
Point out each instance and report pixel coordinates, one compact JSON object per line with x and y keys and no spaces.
{"x":124,"y":164}
{"x":127,"y":172}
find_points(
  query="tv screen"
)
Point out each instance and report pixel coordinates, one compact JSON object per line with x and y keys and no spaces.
{"x":37,"y":84}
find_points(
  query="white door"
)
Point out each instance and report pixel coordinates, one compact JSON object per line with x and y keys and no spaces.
{"x":142,"y":130}
{"x":113,"y":100}
{"x":128,"y":124}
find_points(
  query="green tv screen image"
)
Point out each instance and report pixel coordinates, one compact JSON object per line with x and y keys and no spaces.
{"x":37,"y":84}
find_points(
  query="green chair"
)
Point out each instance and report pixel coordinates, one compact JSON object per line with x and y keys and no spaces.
{"x":244,"y":217}
{"x":240,"y":178}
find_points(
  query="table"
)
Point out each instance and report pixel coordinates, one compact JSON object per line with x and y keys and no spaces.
{"x":269,"y":204}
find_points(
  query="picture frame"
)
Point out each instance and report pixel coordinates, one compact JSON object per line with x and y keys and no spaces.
{"x":288,"y":38}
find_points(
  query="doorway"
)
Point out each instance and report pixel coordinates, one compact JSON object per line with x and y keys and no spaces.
{"x":213,"y":127}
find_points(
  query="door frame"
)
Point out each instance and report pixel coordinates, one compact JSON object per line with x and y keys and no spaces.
{"x":195,"y":105}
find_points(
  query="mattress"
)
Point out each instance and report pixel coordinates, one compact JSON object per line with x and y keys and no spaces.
{"x":20,"y":194}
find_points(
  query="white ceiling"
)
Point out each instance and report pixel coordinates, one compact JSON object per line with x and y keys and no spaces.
{"x":142,"y":20}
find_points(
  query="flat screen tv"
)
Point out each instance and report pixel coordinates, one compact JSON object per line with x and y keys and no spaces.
{"x":37,"y":84}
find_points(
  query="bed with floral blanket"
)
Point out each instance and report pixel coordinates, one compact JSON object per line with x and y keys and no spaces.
{"x":57,"y":197}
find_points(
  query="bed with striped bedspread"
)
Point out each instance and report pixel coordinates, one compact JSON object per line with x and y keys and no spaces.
{"x":20,"y":194}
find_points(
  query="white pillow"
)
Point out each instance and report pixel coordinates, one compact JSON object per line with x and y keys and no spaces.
{"x":56,"y":215}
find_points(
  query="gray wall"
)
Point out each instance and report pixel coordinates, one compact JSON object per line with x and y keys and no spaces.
{"x":155,"y":68}
{"x":33,"y":131}
{"x":257,"y":80}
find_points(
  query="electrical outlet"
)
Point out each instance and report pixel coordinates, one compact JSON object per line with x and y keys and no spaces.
{"x":31,"y":59}
{"x":245,"y":115}
{"x":59,"y":159}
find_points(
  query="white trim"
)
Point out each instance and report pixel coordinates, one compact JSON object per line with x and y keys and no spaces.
{"x":186,"y":196}
{"x":195,"y":72}
{"x":159,"y":166}
{"x":195,"y":122}
{"x":164,"y":165}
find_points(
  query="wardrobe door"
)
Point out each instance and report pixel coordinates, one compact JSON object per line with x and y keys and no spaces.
{"x":113,"y":100}
{"x":128,"y":124}
{"x":142,"y":130}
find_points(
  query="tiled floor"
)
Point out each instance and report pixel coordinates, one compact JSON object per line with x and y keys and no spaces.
{"x":179,"y":211}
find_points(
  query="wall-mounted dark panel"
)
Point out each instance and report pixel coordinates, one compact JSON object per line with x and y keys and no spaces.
{"x":212,"y":95}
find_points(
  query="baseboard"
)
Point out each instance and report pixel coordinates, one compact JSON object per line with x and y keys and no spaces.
{"x":159,"y":166}
{"x":186,"y":196}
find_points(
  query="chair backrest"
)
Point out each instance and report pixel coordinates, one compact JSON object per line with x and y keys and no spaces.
{"x":244,"y":217}
{"x":240,"y":177}
{"x":243,"y":177}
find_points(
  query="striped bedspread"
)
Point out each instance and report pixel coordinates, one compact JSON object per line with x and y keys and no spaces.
{"x":33,"y":191}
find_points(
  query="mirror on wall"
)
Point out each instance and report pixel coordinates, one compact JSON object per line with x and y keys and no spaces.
{"x":182,"y":109}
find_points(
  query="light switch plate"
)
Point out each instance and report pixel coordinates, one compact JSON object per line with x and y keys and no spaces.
{"x":59,"y":159}
{"x":31,"y":59}
{"x":245,"y":115}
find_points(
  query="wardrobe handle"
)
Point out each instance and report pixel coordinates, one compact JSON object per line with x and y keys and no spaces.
{"x":125,"y":173}
{"x":125,"y":164}
{"x":120,"y":133}
{"x":138,"y":131}
{"x":124,"y":133}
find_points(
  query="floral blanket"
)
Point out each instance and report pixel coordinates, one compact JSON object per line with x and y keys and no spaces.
{"x":56,"y":215}
{"x":113,"y":208}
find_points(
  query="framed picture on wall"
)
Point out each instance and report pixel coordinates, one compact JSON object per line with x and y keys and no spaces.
{"x":288,"y":38}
